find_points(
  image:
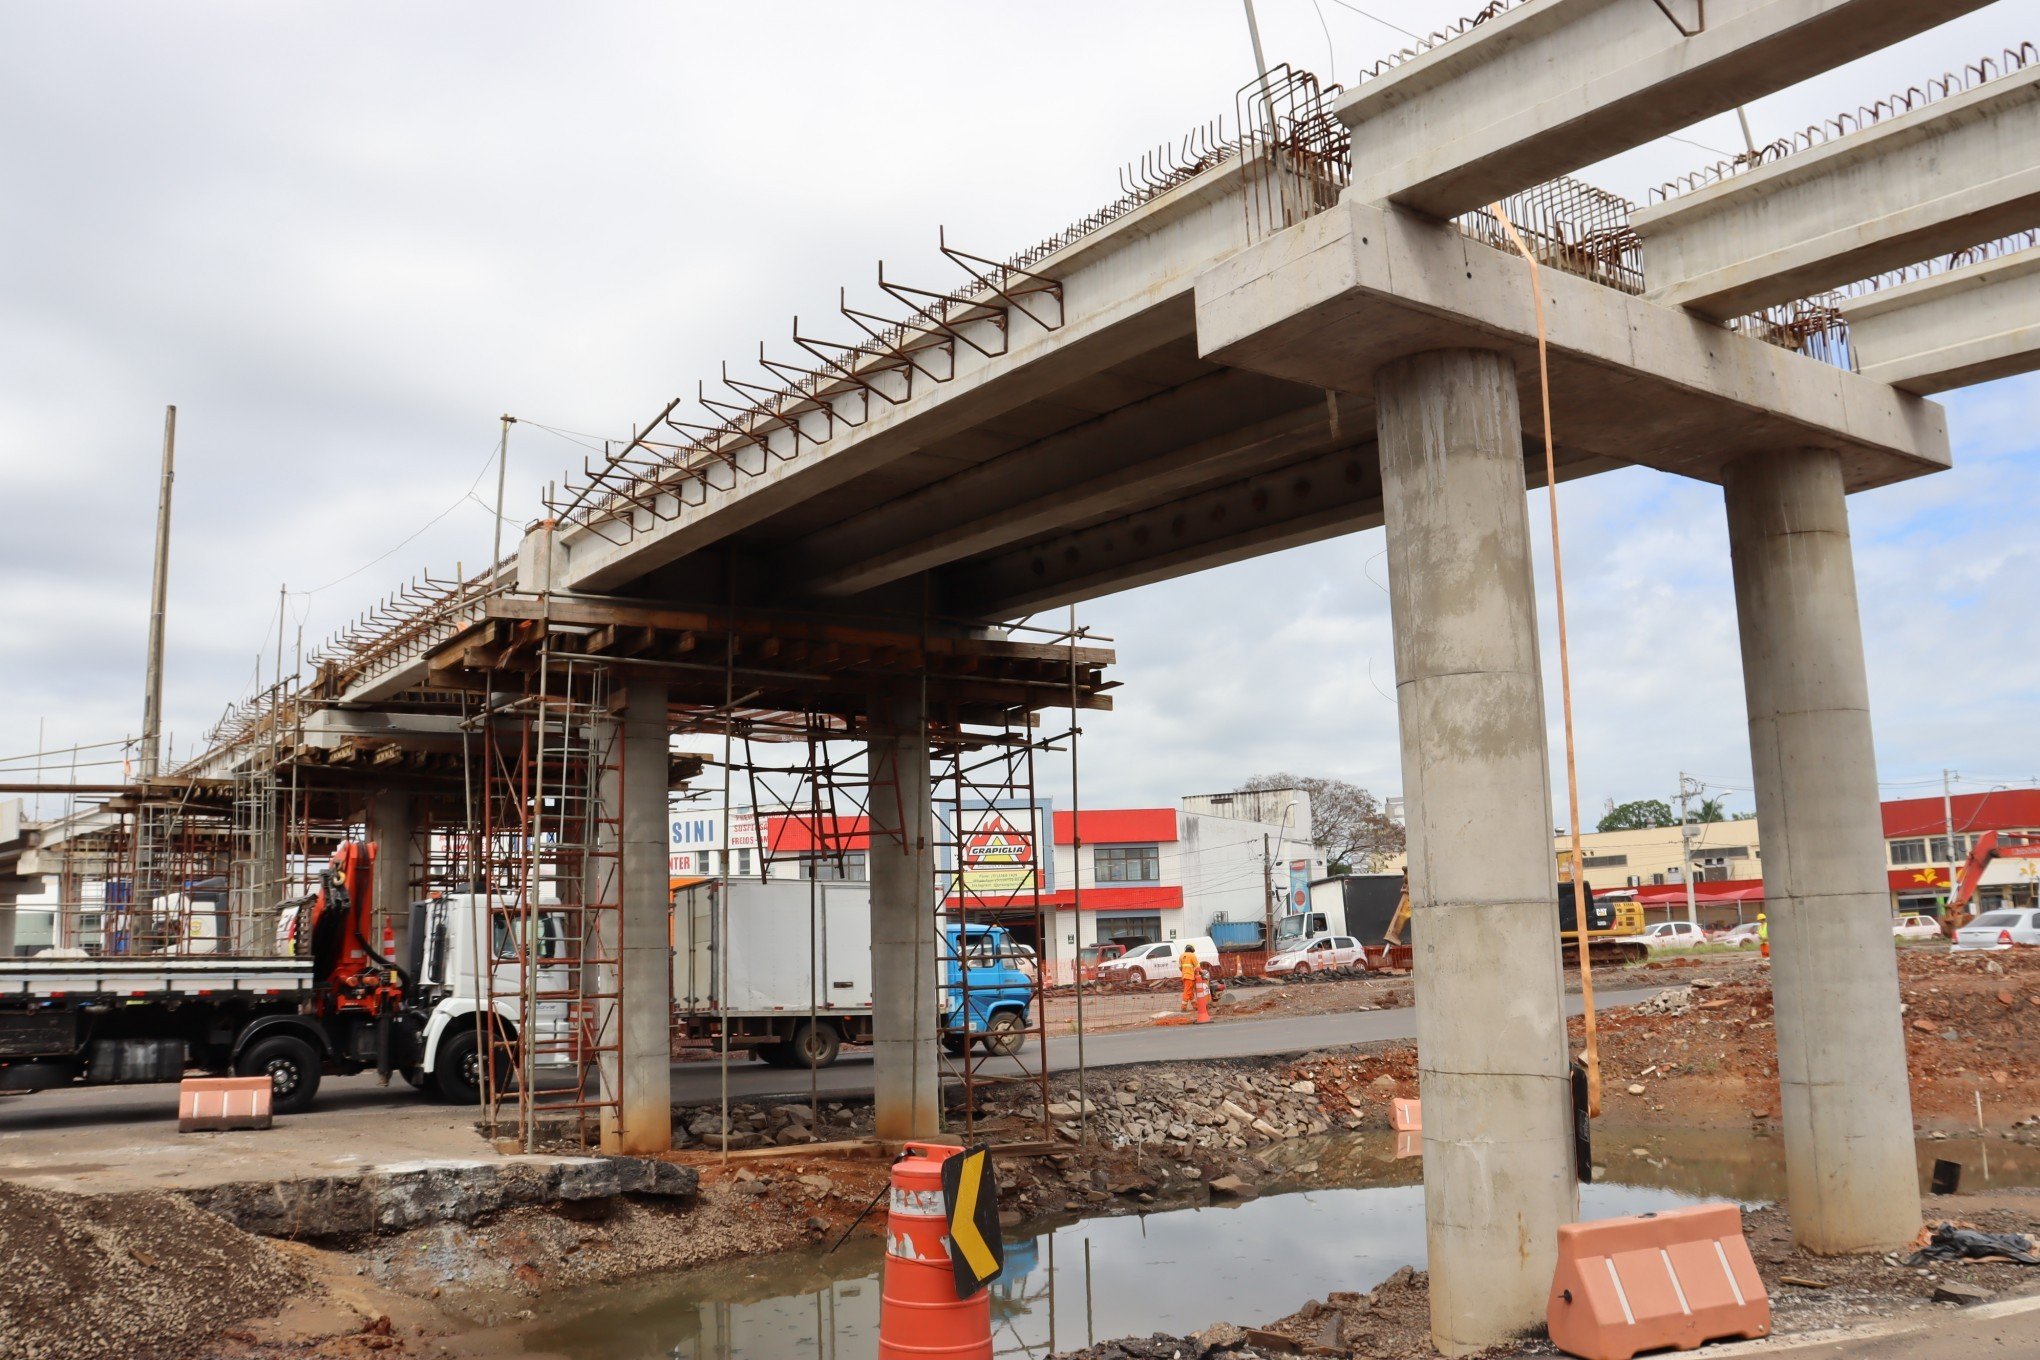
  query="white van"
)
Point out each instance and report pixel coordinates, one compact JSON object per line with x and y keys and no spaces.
{"x":1145,"y":963}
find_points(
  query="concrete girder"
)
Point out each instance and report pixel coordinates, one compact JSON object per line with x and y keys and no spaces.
{"x":1127,"y":287}
{"x":1965,"y":326}
{"x":1519,"y":101}
{"x":1631,"y":381}
{"x":1955,"y":173}
{"x":1304,"y":501}
{"x":1108,"y":466}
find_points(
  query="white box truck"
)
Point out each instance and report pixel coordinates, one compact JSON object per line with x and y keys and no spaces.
{"x":761,"y":976}
{"x":787,"y":968}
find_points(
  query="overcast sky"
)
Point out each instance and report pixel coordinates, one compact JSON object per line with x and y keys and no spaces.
{"x":345,"y":238}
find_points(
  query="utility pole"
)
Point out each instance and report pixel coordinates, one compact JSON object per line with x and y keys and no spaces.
{"x":502,"y":468}
{"x":1267,"y":888}
{"x":1948,"y":821}
{"x":1687,"y":788}
{"x":152,"y":696}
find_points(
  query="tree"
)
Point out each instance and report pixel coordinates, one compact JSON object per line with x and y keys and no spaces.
{"x":1710,"y":810}
{"x":1641,"y":815}
{"x":1347,"y":823}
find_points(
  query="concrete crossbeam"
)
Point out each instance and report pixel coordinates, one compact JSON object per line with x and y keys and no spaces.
{"x":1548,"y":88}
{"x":1631,"y":380}
{"x":1950,"y":330}
{"x":1951,"y":174}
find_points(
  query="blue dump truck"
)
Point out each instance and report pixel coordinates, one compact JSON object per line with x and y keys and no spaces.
{"x":987,"y":989}
{"x":783,"y":969}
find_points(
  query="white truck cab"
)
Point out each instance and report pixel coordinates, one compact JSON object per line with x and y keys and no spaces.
{"x":449,"y":985}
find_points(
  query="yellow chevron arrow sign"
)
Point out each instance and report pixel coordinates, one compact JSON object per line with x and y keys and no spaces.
{"x":970,"y":1196}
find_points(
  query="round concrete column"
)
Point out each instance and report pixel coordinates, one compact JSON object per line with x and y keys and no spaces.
{"x":1850,"y":1178}
{"x":906,"y":1091}
{"x":638,"y":1077}
{"x":1491,"y":1044}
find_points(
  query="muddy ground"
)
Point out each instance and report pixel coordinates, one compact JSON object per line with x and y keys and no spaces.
{"x":1807,"y":1294}
{"x":1156,"y":1136}
{"x":1972,"y":1032}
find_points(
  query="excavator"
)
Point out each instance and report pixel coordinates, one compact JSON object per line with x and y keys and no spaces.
{"x":2024,"y":845}
{"x":1611,"y":926}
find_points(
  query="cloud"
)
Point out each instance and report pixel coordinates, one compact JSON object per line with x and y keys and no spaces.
{"x":344,"y":239}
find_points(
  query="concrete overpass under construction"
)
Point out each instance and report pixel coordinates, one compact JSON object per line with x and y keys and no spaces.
{"x":1318,"y":325}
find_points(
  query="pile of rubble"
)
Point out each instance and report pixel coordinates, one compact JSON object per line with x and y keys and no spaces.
{"x":1210,"y":1105}
{"x":779,"y":1124}
{"x":1392,"y":1319}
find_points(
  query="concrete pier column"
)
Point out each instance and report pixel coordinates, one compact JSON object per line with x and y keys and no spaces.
{"x":1850,"y":1179}
{"x":906,"y":1098}
{"x":1491,"y":1044}
{"x":396,"y":861}
{"x":640,"y":1073}
{"x":9,"y":915}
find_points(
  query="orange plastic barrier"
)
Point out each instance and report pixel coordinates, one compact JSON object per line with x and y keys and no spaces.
{"x":919,"y":1315}
{"x":1680,"y":1278}
{"x":211,"y":1103}
{"x":1406,"y":1116}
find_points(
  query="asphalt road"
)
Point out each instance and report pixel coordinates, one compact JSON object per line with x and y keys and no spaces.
{"x":700,"y":1082}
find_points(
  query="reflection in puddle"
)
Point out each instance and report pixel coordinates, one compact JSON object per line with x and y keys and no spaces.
{"x":1346,"y":1215}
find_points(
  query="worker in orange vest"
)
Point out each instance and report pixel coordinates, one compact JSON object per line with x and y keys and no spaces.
{"x":1764,"y":933}
{"x":1189,"y":965}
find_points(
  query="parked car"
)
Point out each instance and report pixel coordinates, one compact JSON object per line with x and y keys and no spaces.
{"x":1913,"y":926}
{"x":1673,"y":935}
{"x":1156,"y":962}
{"x":1092,"y":956}
{"x":1743,"y":936}
{"x":2000,"y":930}
{"x":1324,"y":952}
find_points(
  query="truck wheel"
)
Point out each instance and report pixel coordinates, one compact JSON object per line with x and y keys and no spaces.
{"x":292,"y":1066}
{"x":1138,"y":977}
{"x":1004,"y":1035}
{"x":814,"y":1044}
{"x":954,"y":1045}
{"x":458,"y":1073}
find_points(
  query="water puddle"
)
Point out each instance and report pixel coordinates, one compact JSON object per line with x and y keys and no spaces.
{"x":1345,"y":1214}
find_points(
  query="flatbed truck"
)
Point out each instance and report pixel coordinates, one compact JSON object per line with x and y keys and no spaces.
{"x":338,"y":1006}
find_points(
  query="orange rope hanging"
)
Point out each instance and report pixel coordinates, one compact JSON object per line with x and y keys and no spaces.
{"x":1581,"y":921}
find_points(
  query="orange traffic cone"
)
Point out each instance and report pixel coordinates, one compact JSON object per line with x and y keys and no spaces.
{"x":919,"y":1315}
{"x":1203,"y":1000}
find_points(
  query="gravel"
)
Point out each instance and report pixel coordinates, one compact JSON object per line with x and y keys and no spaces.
{"x":125,"y":1277}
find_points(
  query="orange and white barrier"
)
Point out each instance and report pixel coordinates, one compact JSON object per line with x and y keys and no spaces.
{"x":1406,"y":1116}
{"x":1680,"y":1278}
{"x":212,"y":1103}
{"x":919,"y":1315}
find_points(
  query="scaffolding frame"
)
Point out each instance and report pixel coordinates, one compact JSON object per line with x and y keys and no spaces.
{"x":547,"y":859}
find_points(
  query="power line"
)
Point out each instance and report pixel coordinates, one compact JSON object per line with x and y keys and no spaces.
{"x":1348,"y":4}
{"x":418,"y":533}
